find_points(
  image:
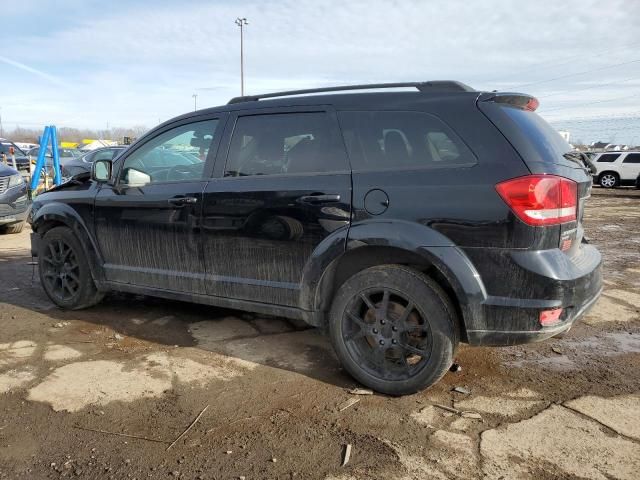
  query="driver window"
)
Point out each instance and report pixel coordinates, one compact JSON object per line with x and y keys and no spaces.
{"x":176,"y":155}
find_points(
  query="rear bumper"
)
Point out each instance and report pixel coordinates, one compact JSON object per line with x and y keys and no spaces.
{"x":527,"y":282}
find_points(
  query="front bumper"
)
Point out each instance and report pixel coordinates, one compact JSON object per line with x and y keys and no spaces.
{"x":14,"y":206}
{"x":522,"y":284}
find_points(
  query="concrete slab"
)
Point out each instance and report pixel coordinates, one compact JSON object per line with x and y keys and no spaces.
{"x":607,"y":310}
{"x":621,"y":413}
{"x":56,"y":353}
{"x":80,"y":384}
{"x":506,"y":407}
{"x":425,"y":416}
{"x":272,"y":325}
{"x":560,"y":443}
{"x":214,"y":331}
{"x":14,"y":379}
{"x":631,"y":298}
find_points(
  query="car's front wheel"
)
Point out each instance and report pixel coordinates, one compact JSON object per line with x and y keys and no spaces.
{"x":394,"y":329}
{"x":609,"y":180}
{"x":64,"y":270}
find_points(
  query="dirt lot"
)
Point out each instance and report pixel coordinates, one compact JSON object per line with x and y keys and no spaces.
{"x":566,"y":408}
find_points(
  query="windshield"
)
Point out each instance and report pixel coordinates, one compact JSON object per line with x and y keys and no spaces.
{"x":5,"y":148}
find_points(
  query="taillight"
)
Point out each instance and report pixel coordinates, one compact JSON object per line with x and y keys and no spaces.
{"x":540,"y":200}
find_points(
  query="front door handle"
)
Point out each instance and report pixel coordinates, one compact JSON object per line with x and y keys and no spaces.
{"x":181,"y":201}
{"x":319,"y":199}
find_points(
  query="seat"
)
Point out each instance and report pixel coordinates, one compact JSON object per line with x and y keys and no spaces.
{"x":303,"y":157}
{"x":395,"y":149}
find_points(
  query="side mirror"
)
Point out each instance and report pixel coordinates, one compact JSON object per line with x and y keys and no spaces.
{"x":101,"y":170}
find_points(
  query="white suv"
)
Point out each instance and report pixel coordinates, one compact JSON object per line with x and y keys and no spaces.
{"x":616,"y":168}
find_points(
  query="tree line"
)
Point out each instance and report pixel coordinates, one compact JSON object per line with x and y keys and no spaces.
{"x":76,"y":135}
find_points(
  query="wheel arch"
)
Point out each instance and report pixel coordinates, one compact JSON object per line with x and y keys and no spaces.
{"x":53,"y":215}
{"x":404,"y":243}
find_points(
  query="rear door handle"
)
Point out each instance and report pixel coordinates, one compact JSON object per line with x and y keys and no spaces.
{"x":181,"y":201}
{"x":319,"y":199}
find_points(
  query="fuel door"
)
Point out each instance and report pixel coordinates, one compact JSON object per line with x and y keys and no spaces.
{"x":376,"y":201}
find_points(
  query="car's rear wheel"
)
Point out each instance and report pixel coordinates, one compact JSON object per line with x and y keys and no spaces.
{"x":394,"y":329}
{"x":15,"y":228}
{"x":64,"y":271}
{"x":609,"y":180}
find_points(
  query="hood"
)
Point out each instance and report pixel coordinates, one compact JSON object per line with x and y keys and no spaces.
{"x":78,"y":179}
{"x":6,"y":171}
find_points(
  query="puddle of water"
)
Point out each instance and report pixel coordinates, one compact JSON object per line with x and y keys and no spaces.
{"x":609,"y":344}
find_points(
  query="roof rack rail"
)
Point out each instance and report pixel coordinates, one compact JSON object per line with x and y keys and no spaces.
{"x":435,"y":85}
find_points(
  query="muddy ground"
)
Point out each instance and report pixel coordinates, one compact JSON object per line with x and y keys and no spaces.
{"x":566,"y":408}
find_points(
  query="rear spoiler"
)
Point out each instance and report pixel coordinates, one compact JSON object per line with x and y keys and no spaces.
{"x":518,"y":100}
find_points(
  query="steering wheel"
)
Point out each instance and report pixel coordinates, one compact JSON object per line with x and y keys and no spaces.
{"x":180,"y":172}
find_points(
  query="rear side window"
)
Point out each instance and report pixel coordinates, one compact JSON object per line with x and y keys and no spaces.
{"x":608,"y":157}
{"x":632,"y":158}
{"x":289,"y":143}
{"x":391,"y":140}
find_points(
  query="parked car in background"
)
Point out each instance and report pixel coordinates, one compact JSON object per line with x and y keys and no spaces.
{"x":24,"y":146}
{"x":615,"y":169}
{"x":14,"y":201}
{"x":22,"y":161}
{"x":66,"y":154}
{"x":83,"y":163}
{"x":402,"y":222}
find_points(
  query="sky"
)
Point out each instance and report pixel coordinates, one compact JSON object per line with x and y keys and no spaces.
{"x":94,"y":64}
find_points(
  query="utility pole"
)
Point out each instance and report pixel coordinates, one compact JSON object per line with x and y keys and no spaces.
{"x":241,"y":22}
{"x":195,"y":101}
{"x":1,"y":129}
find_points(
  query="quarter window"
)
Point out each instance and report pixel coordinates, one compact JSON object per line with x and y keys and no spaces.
{"x":389,"y":140}
{"x":632,"y":158}
{"x":608,"y":157}
{"x":175,"y":155}
{"x":289,"y":143}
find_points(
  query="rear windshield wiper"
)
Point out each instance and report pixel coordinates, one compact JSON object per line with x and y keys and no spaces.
{"x":582,"y":160}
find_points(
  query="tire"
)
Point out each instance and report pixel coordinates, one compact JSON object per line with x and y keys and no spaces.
{"x":15,"y":228}
{"x":392,"y":350}
{"x":609,"y":180}
{"x":64,"y":271}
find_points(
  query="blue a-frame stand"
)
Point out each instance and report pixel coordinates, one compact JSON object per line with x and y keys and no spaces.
{"x":50,"y":135}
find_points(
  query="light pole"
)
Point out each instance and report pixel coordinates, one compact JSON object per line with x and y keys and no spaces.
{"x":241,"y":22}
{"x":195,"y":101}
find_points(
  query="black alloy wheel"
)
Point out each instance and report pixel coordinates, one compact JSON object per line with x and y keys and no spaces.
{"x":394,"y":329}
{"x":61,"y":270}
{"x":64,"y":270}
{"x":385,"y":330}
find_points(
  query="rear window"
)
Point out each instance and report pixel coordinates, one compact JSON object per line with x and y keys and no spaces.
{"x":544,"y":138}
{"x":532,"y":137}
{"x":391,"y":140}
{"x":608,"y":157}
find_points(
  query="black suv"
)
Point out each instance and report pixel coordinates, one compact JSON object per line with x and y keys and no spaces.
{"x":402,"y":221}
